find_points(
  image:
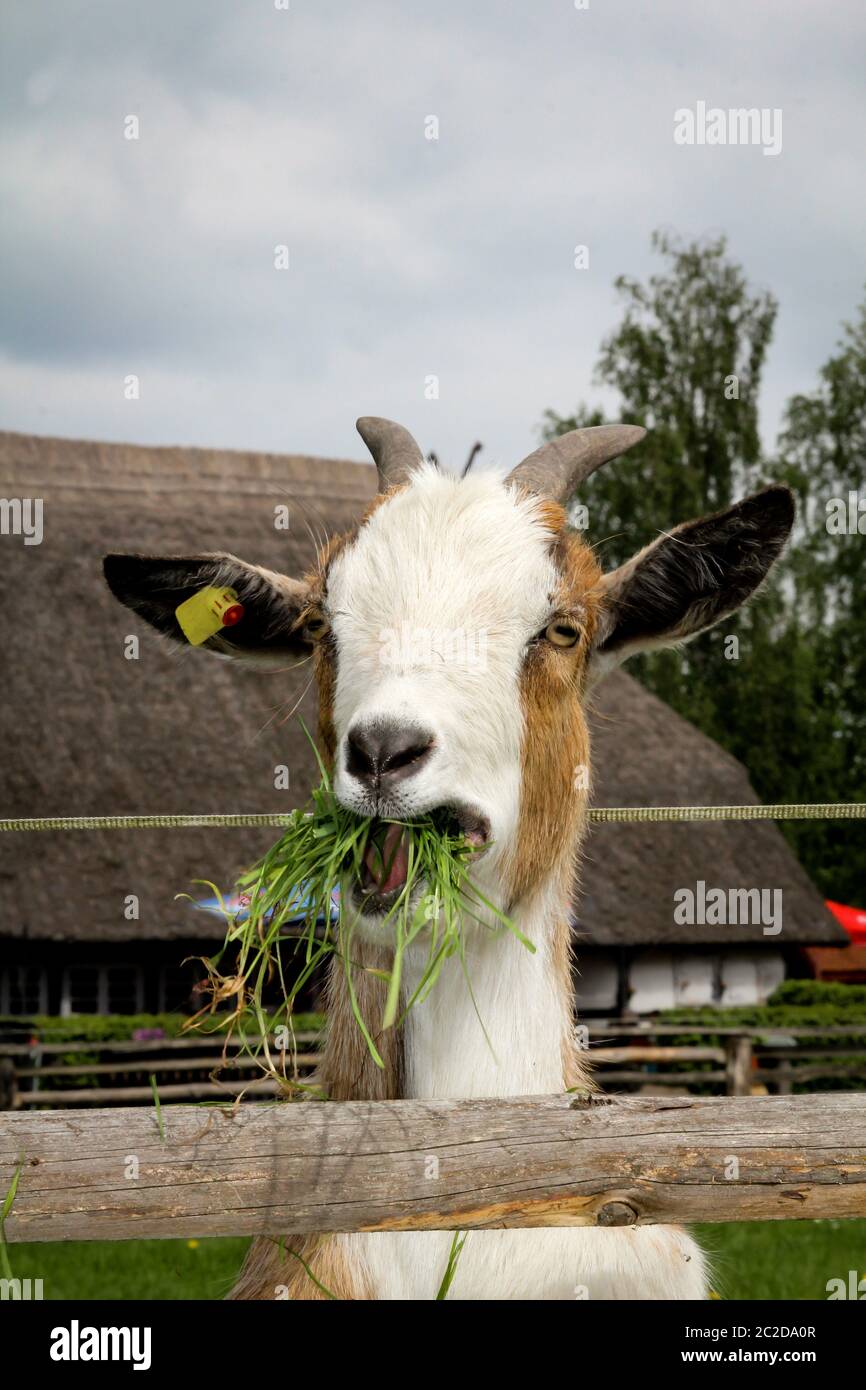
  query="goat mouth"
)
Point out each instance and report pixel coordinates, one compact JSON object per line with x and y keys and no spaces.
{"x":471,"y":824}
{"x":384,"y":867}
{"x":385,"y":863}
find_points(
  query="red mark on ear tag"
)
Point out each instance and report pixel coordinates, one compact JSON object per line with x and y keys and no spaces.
{"x":233,"y":615}
{"x":204,"y":613}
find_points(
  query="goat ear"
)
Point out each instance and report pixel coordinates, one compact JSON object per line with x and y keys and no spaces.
{"x":273,"y":605}
{"x":690,"y":579}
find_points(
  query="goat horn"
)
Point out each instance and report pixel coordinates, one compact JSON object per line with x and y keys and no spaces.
{"x":558,"y":468}
{"x":394,"y":451}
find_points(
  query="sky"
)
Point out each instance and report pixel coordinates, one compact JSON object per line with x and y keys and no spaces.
{"x":409,"y":258}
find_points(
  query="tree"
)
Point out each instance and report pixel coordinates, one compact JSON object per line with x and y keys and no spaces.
{"x":686,"y":360}
{"x":822,"y":447}
{"x":788,"y":697}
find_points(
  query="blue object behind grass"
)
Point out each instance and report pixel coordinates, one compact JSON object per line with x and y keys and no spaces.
{"x":239,"y":909}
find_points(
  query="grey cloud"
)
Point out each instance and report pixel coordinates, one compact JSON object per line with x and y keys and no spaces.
{"x":408,"y":257}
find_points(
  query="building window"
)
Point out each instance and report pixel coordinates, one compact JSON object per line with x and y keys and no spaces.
{"x":102,"y":989}
{"x":23,"y":990}
{"x":176,"y":986}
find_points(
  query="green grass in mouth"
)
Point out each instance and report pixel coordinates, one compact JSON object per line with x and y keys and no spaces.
{"x":325,"y":845}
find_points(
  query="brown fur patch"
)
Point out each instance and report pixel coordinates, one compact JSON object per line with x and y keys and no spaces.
{"x":552,"y":515}
{"x":555,"y":749}
{"x":325,"y":671}
{"x":324,"y":652}
{"x":347,"y":1070}
{"x":379,"y":500}
{"x":556,"y":738}
{"x":271,"y":1271}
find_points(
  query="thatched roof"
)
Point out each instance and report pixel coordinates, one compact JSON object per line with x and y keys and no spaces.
{"x":87,"y":732}
{"x":646,"y":755}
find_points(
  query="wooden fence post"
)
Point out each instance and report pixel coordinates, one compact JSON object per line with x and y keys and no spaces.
{"x":8,"y":1085}
{"x":739,"y":1065}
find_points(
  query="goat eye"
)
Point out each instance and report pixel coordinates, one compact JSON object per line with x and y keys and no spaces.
{"x":316,"y":627}
{"x":561,"y":634}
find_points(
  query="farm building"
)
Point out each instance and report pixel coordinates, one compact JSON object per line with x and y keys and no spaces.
{"x":96,"y":723}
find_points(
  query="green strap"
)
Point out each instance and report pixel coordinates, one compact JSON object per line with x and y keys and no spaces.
{"x":832,"y":810}
{"x":822,"y":810}
{"x":143,"y":822}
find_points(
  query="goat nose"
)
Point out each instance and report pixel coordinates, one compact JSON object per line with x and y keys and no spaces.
{"x":381,"y":755}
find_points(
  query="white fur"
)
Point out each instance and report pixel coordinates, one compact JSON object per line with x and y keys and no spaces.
{"x":449,"y":555}
{"x":444,"y":556}
{"x":644,"y":1262}
{"x":447,"y":1056}
{"x":447,"y":1053}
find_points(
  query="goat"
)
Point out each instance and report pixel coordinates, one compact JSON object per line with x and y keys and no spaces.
{"x":498,"y":743}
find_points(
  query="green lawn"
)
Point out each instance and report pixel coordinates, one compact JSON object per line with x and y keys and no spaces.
{"x":133,"y":1269}
{"x":782,"y":1259}
{"x":769,"y":1259}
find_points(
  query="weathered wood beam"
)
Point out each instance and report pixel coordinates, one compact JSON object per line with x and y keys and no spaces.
{"x":182,"y":1064}
{"x":210,"y":1041}
{"x":169,"y":1094}
{"x":420,"y":1165}
{"x":639,"y":1053}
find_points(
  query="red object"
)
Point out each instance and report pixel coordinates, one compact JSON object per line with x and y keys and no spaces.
{"x":853,"y":919}
{"x":233,"y":615}
{"x":846,"y":965}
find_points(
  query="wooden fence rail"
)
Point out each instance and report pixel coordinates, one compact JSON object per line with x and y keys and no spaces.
{"x":430,"y":1165}
{"x":42,"y":1074}
{"x":183,"y":1067}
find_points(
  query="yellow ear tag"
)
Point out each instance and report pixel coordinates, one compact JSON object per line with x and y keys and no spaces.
{"x":207,"y":613}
